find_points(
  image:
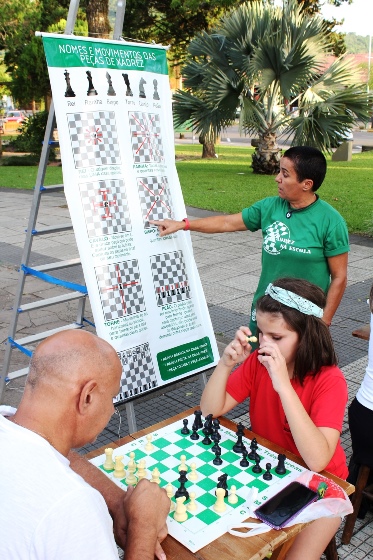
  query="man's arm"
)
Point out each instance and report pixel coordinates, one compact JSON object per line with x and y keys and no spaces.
{"x":338,"y":272}
{"x":121,"y":503}
{"x":212,"y":224}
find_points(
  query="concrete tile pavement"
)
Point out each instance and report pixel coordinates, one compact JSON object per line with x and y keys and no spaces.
{"x":229,"y":266}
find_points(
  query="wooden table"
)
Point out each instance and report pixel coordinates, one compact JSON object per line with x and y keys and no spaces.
{"x":362,"y":332}
{"x":227,"y":546}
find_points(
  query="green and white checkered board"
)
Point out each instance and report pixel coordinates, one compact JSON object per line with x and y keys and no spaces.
{"x":204,"y":525}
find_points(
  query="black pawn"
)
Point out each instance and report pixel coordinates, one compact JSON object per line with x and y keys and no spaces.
{"x":206,"y":440}
{"x":257,"y":468}
{"x":253,"y":446}
{"x":222,"y":483}
{"x":155,"y":94}
{"x":216,"y":423}
{"x":185,"y":430}
{"x":182,"y":491}
{"x":267,"y":475}
{"x":194,"y":435}
{"x":215,"y":438}
{"x":281,"y":469}
{"x":208,"y":423}
{"x":244,"y":462}
{"x":217,"y":460}
{"x":239,"y":446}
{"x":198,"y":419}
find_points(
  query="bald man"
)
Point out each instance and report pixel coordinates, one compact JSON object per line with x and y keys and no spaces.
{"x":47,"y":510}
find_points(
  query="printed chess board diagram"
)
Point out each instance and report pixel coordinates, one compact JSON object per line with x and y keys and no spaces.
{"x":155,"y":199}
{"x":146,"y":137}
{"x":273,"y":235}
{"x":120,"y":289}
{"x":94,"y":138}
{"x":138,"y":374}
{"x":105,"y":207}
{"x":204,"y":525}
{"x":169,"y":277}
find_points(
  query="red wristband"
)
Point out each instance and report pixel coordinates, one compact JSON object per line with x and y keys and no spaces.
{"x":187,"y":224}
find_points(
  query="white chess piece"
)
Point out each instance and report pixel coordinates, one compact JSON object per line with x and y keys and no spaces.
{"x":193,"y":473}
{"x":192,"y":506}
{"x":109,"y":463}
{"x":131,"y":463}
{"x":232,"y":498}
{"x":180,"y":514}
{"x":149,"y":446}
{"x":119,"y":471}
{"x":170,"y":494}
{"x":155,"y":476}
{"x":220,"y":505}
{"x":141,"y":470}
{"x":183,"y":466}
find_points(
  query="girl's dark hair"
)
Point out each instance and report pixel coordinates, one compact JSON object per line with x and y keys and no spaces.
{"x":315,"y":342}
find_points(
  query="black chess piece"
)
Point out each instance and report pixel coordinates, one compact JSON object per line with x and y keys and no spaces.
{"x":239,"y":445}
{"x":91,"y":89}
{"x":281,"y":469}
{"x":182,"y":491}
{"x":69,"y":90}
{"x":218,"y":460}
{"x":216,"y":423}
{"x":194,"y":435}
{"x":253,"y":446}
{"x":206,"y":440}
{"x":257,"y":468}
{"x":110,"y":90}
{"x":142,"y":93}
{"x":198,"y":419}
{"x":215,"y":438}
{"x":267,"y":475}
{"x":208,"y":423}
{"x":222,"y":483}
{"x":155,"y":94}
{"x":185,"y":430}
{"x":244,"y":462}
{"x":127,"y":82}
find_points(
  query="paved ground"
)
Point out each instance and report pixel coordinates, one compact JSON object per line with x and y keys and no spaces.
{"x":229,"y":266}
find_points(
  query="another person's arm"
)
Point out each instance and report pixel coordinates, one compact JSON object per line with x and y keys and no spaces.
{"x":212,"y":224}
{"x":338,"y":273}
{"x":119,"y":503}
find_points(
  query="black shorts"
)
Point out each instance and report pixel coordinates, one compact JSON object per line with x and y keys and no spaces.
{"x":360,"y":419}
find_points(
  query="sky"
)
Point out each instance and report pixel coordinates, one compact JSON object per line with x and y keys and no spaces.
{"x":357,"y":16}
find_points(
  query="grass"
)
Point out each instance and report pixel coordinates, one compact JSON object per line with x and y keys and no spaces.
{"x":228,"y":184}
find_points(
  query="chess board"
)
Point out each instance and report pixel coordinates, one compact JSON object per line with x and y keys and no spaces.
{"x":94,"y":138}
{"x":138,"y":374}
{"x":155,"y":199}
{"x":204,"y":525}
{"x":120,"y":289}
{"x":105,"y":207}
{"x":273,"y":235}
{"x":146,"y":137}
{"x":169,"y":277}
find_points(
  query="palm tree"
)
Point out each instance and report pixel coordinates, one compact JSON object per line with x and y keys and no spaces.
{"x":272,"y":63}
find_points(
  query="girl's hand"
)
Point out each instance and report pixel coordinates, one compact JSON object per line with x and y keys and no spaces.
{"x":270,"y":356}
{"x":239,"y":349}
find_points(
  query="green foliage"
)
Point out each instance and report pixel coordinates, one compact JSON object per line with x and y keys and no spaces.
{"x":31,"y":136}
{"x":20,"y":161}
{"x":356,"y":44}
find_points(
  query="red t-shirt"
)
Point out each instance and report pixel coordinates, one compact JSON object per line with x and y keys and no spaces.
{"x":324,"y":398}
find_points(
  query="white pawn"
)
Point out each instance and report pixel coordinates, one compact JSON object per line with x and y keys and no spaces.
{"x":119,"y":471}
{"x":149,"y":446}
{"x":141,"y":470}
{"x":192,"y":506}
{"x":109,"y":463}
{"x":180,"y":514}
{"x":232,"y":498}
{"x":170,"y":493}
{"x":193,"y":472}
{"x":220,"y":505}
{"x":131,"y":463}
{"x":155,"y":476}
{"x":183,"y":466}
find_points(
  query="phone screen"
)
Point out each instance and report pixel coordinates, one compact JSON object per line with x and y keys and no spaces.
{"x":286,"y":504}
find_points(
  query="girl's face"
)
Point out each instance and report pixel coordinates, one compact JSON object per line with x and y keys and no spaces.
{"x":273,"y":328}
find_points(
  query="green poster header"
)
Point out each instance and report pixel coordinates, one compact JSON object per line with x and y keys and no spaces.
{"x":66,"y":52}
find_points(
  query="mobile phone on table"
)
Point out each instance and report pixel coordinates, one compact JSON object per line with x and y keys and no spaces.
{"x":285,"y":505}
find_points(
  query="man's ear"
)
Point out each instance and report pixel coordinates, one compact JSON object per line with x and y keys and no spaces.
{"x":88,"y":393}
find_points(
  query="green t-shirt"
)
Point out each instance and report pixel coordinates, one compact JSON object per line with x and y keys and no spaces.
{"x":297,"y":246}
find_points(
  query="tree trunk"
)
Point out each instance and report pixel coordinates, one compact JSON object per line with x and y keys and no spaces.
{"x":97,"y":18}
{"x":208,"y":147}
{"x":266,"y":158}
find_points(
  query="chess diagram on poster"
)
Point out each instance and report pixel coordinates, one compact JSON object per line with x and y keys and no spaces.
{"x":155,"y":199}
{"x":94,"y":138}
{"x":105,"y":207}
{"x":146,"y":137}
{"x":138,"y":374}
{"x":169,"y":277}
{"x":120,"y":289}
{"x":184,"y":466}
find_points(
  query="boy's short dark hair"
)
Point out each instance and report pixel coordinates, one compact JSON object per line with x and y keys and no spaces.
{"x":309,"y":163}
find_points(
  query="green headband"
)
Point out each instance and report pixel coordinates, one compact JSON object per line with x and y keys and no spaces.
{"x":293,"y":300}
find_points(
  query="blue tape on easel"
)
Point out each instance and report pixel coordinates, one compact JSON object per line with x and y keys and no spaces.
{"x":22,"y":348}
{"x":89,"y":322}
{"x":53,"y":280}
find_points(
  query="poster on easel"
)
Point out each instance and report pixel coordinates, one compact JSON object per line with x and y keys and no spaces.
{"x":114,"y":118}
